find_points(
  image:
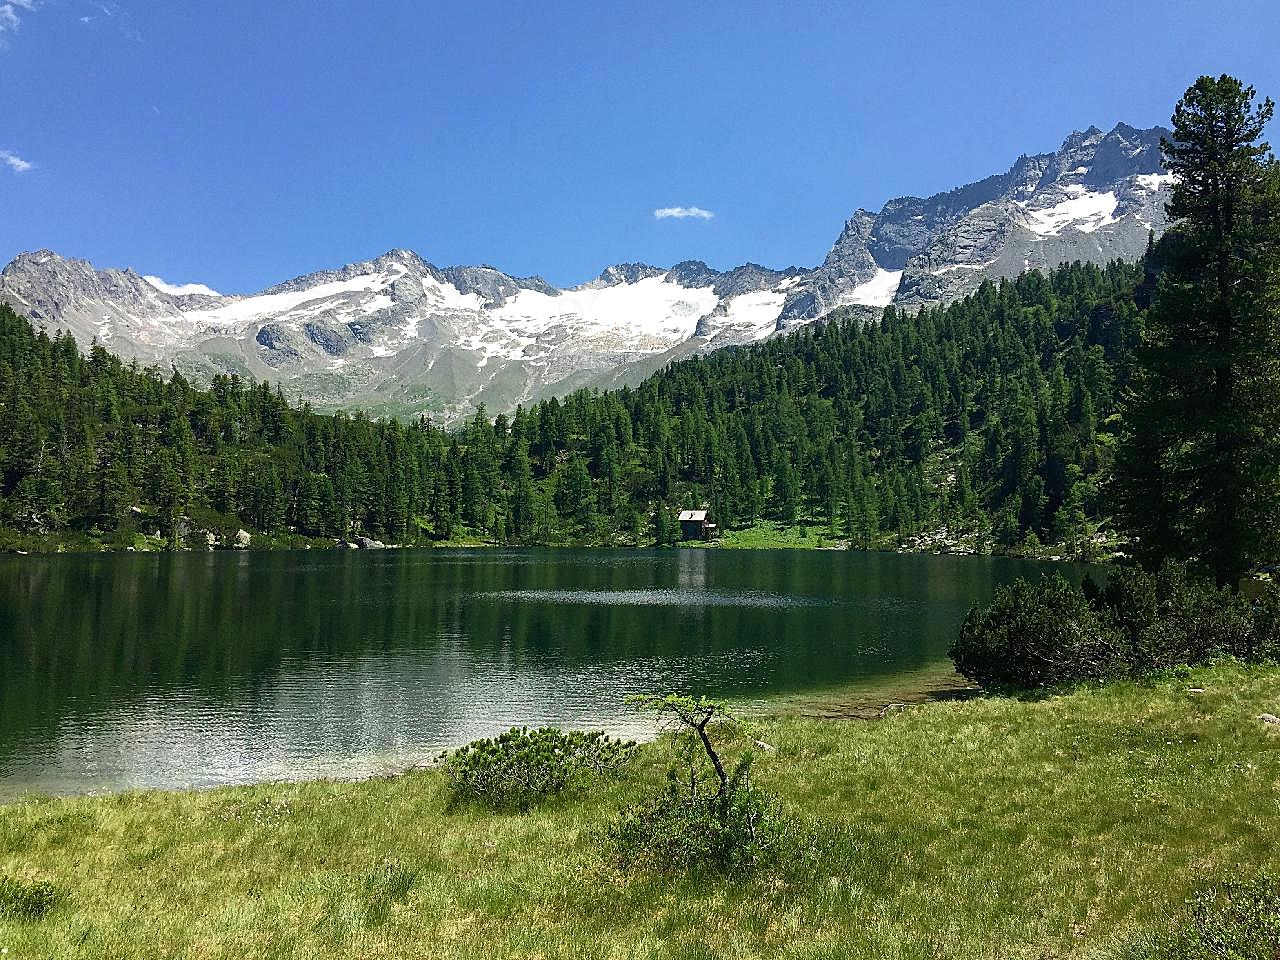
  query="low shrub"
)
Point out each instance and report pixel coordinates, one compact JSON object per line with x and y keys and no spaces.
{"x":1173,"y":617}
{"x":25,"y":899}
{"x":1266,"y":626}
{"x":708,"y":818}
{"x":1051,"y":632}
{"x":1037,"y":635}
{"x":1236,"y":920}
{"x":729,"y":833}
{"x":523,"y":767}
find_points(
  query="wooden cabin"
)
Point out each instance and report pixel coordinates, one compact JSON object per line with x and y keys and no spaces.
{"x":695,"y":526}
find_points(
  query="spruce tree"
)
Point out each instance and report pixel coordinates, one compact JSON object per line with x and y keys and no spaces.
{"x":1199,"y":470}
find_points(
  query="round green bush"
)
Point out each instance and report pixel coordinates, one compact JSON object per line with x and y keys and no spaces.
{"x":1036,"y":635}
{"x":523,"y":767}
{"x":1174,"y":617}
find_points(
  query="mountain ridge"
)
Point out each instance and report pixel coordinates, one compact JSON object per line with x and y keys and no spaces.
{"x":398,"y":334}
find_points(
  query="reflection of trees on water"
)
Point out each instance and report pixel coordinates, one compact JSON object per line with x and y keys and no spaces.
{"x":358,"y":639}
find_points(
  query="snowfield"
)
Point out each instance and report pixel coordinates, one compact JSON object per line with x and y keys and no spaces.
{"x":653,"y":310}
{"x":879,"y":291}
{"x":1085,"y":212}
{"x":182,"y":290}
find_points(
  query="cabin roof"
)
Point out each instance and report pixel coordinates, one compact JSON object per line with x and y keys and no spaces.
{"x":697,"y":516}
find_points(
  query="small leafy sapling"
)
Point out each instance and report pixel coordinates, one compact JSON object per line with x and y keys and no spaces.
{"x":713,"y":820}
{"x":691,"y":720}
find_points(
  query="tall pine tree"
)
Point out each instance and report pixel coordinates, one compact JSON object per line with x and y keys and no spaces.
{"x":1199,"y":473}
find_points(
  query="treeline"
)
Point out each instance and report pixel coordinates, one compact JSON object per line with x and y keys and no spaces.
{"x":991,"y":414}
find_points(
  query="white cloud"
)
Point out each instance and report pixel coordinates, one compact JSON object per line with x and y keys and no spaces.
{"x":11,"y":14}
{"x":181,"y":290}
{"x":680,"y":213}
{"x":15,"y":162}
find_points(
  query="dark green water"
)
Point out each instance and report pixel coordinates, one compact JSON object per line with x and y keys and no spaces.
{"x":200,"y":669}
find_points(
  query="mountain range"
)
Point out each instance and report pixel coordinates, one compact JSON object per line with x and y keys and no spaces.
{"x":399,"y":335}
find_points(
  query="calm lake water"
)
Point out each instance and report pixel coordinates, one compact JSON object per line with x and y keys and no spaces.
{"x":182,"y":670}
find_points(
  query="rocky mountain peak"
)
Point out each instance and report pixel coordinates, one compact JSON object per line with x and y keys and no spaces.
{"x":622,"y":273}
{"x":493,"y":286}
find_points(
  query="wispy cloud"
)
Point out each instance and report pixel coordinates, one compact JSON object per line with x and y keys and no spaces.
{"x":115,"y":14}
{"x":12,"y":12}
{"x":13,"y":161}
{"x":681,"y":213}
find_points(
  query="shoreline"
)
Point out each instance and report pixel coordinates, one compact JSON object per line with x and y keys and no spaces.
{"x":1048,"y":555}
{"x":846,"y":701}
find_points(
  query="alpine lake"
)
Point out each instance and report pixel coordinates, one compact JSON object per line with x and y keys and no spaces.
{"x":125,"y":671}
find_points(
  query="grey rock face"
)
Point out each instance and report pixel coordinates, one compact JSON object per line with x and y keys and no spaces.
{"x":849,"y":265}
{"x":751,"y":278}
{"x":277,"y":345}
{"x":492,"y":285}
{"x":326,"y":338}
{"x":622,"y":273}
{"x":693,"y":273}
{"x":1096,"y":198}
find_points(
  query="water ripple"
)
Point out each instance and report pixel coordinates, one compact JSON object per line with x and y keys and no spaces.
{"x":659,"y":598}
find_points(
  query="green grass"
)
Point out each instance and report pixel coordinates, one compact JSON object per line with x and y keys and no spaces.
{"x":986,"y":828}
{"x":770,"y":535}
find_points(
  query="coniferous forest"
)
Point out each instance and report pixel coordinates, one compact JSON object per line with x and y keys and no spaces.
{"x":992,"y":416}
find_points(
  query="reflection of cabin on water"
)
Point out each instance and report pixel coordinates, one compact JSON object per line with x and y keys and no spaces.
{"x":695,"y":526}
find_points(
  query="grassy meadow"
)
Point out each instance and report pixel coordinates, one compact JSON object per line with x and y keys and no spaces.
{"x":984,"y":828}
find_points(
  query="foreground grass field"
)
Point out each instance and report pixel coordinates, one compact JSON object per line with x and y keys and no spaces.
{"x":988,"y":828}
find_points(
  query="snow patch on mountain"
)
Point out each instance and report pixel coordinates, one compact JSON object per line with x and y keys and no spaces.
{"x":649,"y":310}
{"x":879,"y":291}
{"x":282,"y":304}
{"x":1154,"y":181}
{"x":183,"y":289}
{"x":755,"y":315}
{"x":1086,"y":211}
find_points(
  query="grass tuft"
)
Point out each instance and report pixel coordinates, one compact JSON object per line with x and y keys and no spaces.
{"x":25,"y":900}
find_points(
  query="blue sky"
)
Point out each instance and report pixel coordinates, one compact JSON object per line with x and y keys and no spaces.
{"x":241,"y":143}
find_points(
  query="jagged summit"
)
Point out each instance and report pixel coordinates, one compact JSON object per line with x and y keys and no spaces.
{"x":400,"y":334}
{"x":1097,"y":197}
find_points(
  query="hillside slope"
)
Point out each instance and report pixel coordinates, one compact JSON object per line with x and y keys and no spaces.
{"x":990,"y":415}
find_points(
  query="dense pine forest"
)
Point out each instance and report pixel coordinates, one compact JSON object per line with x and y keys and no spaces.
{"x":991,"y":418}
